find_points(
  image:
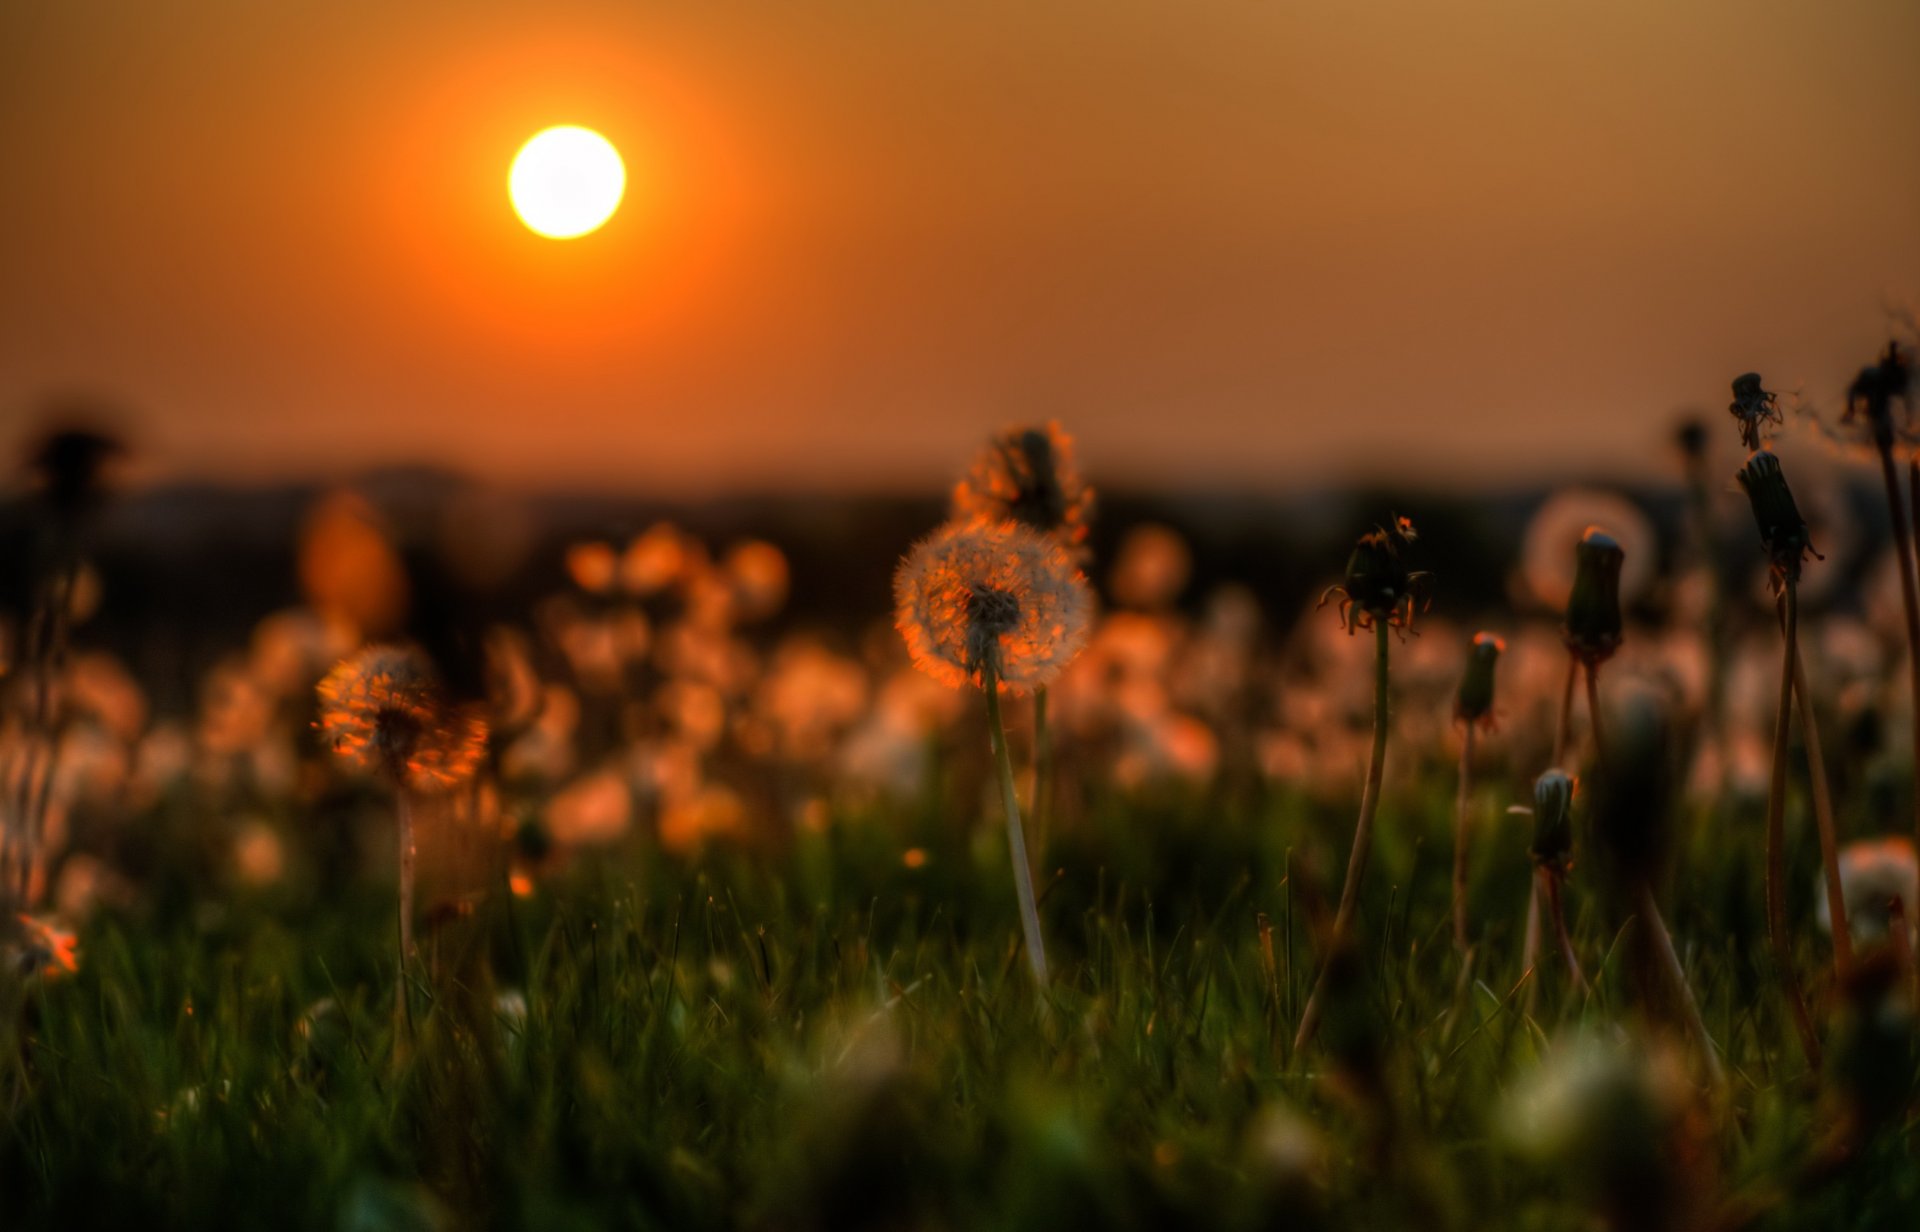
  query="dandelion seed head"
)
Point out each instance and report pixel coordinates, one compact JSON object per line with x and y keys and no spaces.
{"x":978,"y":597}
{"x":1028,"y":475}
{"x":382,"y":710}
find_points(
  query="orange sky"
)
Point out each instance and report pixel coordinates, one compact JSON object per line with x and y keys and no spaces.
{"x":1229,"y":242}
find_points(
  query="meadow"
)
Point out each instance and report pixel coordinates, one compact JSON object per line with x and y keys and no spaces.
{"x":644,"y":906}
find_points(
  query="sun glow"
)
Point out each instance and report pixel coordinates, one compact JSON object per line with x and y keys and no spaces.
{"x":566,"y":182}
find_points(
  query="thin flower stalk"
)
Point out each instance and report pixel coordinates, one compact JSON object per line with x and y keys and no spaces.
{"x":1362,"y":843}
{"x":1777,"y":936}
{"x":1016,"y":839}
{"x":1379,"y":593}
{"x":1472,"y":710}
{"x":1871,"y":396}
{"x":1784,"y":534}
{"x":1682,"y":991}
{"x":993,"y":604}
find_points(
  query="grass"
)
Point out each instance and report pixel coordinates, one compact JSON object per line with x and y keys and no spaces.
{"x":827,"y":1038}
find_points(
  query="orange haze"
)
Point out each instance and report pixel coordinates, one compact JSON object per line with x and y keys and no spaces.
{"x":1228,"y":241}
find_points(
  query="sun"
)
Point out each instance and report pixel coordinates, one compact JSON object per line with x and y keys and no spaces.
{"x":566,"y":182}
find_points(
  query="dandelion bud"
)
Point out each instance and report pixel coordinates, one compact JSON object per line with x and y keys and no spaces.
{"x":1593,"y":622}
{"x":1474,"y":704}
{"x":1553,"y":819}
{"x":1379,"y":587}
{"x":1782,"y":529}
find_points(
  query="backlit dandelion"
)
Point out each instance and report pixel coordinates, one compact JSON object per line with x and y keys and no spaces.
{"x":982,"y":600}
{"x":984,"y":603}
{"x":1028,"y":475}
{"x":383,"y":710}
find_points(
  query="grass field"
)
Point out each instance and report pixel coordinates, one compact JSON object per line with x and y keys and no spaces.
{"x":834,"y":1039}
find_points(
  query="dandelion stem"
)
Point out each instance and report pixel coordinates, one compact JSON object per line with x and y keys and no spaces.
{"x":1016,"y":837}
{"x":1823,"y":818}
{"x":1362,"y":844}
{"x":1042,"y":763}
{"x":1682,"y":992}
{"x":1460,"y":815}
{"x":1530,"y":947}
{"x":1566,"y":715}
{"x":1593,"y":714}
{"x":403,"y":1008}
{"x":1776,"y":831}
{"x":1549,"y":881}
{"x":1909,"y":598}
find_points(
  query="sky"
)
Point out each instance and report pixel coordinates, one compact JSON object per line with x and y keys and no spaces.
{"x":1235,"y":244}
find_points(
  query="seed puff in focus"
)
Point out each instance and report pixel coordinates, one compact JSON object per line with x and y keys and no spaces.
{"x":981,"y":595}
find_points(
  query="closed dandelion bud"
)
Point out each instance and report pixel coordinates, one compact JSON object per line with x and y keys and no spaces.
{"x":1376,"y":578}
{"x":1379,"y":587}
{"x":1593,"y":625}
{"x":1553,"y":819}
{"x":1474,"y":704}
{"x":1782,"y":529}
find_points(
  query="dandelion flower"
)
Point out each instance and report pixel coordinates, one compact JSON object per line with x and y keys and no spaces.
{"x":1028,"y":475}
{"x":383,"y":710}
{"x":983,"y":598}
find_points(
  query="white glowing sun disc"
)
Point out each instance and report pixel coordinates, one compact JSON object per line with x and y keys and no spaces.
{"x":566,"y":182}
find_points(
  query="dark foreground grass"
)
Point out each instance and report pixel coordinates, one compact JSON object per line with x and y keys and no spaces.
{"x":828,"y":1038}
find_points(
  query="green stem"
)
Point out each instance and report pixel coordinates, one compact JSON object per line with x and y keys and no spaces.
{"x":1566,"y":714}
{"x":1682,"y":992}
{"x":1460,"y":815}
{"x":1550,"y":879}
{"x":1909,"y":598}
{"x":1823,"y":819}
{"x":1016,"y":837}
{"x":1593,"y":715}
{"x":1776,"y":835}
{"x":1362,"y":843}
{"x":1042,"y":763}
{"x":408,"y":850}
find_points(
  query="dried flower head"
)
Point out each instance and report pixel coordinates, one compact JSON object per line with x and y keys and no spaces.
{"x":1379,"y":586}
{"x":1028,"y":475}
{"x":978,"y":597}
{"x":1876,"y":389}
{"x":1474,"y":703}
{"x":1553,"y":819}
{"x":383,"y":710}
{"x":1753,"y":407}
{"x":1782,"y":529}
{"x":1593,"y":625}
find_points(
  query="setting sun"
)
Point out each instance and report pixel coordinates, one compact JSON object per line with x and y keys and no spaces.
{"x":566,"y":182}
